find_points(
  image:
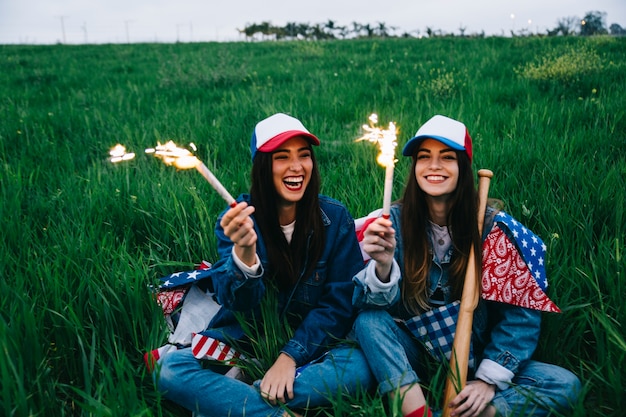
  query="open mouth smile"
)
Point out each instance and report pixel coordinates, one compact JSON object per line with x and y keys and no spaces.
{"x":294,"y":183}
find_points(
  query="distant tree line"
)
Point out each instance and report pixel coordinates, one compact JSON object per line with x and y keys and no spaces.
{"x":594,"y":23}
{"x":318,"y":31}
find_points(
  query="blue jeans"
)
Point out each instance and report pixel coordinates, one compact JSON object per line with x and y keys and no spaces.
{"x":536,"y":389}
{"x":182,"y":379}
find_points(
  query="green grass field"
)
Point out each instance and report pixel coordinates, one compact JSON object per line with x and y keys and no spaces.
{"x":82,"y":239}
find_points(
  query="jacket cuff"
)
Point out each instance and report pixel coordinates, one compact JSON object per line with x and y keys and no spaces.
{"x":376,"y":285}
{"x":296,"y":351}
{"x":254,"y":271}
{"x":493,"y":373}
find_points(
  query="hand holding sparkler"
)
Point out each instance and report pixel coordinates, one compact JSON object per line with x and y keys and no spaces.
{"x":239,"y":228}
{"x":386,"y":140}
{"x":182,"y":158}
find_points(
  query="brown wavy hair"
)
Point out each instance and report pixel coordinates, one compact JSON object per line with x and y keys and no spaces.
{"x":463,"y":226}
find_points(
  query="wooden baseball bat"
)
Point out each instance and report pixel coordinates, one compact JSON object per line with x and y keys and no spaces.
{"x":459,"y":359}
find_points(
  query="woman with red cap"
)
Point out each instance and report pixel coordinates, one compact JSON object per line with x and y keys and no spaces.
{"x":416,"y":273}
{"x":284,"y":239}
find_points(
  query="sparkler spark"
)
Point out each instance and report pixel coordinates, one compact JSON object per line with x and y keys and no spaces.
{"x":384,"y":138}
{"x":183,"y":158}
{"x":171,"y":154}
{"x":386,"y":141}
{"x":118,"y":154}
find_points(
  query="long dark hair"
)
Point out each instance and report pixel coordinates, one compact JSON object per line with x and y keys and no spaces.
{"x":463,"y":226}
{"x":287,"y":260}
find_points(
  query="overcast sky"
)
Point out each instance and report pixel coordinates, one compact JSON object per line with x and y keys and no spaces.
{"x":120,"y":21}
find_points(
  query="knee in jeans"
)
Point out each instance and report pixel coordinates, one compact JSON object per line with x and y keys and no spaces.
{"x":367,"y":320}
{"x":567,"y":385}
{"x":572,"y":387}
{"x":165,"y":374}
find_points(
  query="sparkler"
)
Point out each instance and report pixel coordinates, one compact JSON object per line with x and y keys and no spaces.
{"x":386,"y":141}
{"x":182,"y":158}
{"x":118,"y":154}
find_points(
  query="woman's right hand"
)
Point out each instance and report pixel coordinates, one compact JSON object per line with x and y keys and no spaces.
{"x":379,"y":242}
{"x":239,"y":228}
{"x":277,"y":383}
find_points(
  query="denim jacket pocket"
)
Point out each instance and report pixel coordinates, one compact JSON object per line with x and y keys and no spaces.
{"x":311,"y":288}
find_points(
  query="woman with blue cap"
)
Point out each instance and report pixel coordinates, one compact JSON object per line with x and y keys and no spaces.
{"x":408,"y":292}
{"x":287,"y":239}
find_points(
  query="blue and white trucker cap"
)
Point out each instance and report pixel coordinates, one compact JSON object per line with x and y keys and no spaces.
{"x":444,"y":129}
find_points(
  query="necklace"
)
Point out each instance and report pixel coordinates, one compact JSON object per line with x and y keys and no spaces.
{"x":440,"y":234}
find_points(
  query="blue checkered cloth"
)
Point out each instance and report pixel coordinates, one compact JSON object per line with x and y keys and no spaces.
{"x":435,"y":330}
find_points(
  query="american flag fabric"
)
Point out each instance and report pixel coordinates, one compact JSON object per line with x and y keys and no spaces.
{"x":170,"y":295}
{"x":151,"y":358}
{"x":179,"y":279}
{"x":202,"y":347}
{"x":435,"y":329}
{"x":205,"y":347}
{"x":513,"y":267}
{"x":174,"y":287}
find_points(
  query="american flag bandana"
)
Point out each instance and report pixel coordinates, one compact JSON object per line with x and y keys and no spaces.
{"x":435,"y":329}
{"x":205,"y":347}
{"x":513,"y":268}
{"x":169,"y":300}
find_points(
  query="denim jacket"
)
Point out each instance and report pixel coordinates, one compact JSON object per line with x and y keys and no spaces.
{"x":320,"y":302}
{"x":504,"y":336}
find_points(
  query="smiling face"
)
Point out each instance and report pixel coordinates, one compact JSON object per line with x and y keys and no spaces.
{"x":436,"y":169}
{"x":292,"y":165}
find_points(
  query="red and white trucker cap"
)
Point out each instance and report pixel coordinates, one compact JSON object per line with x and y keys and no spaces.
{"x":272,"y":132}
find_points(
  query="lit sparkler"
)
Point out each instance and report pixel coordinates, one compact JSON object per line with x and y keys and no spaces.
{"x":182,"y":158}
{"x":386,"y":141}
{"x":118,"y":154}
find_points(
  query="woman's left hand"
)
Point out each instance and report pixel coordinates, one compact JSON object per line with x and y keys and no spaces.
{"x":473,"y":399}
{"x":278,"y":380}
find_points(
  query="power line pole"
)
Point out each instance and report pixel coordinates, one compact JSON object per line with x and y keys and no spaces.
{"x":126,"y":22}
{"x":178,"y":25}
{"x":62,"y":18}
{"x":84,"y":28}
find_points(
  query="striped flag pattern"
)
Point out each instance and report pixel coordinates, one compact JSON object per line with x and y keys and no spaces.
{"x":152,"y":357}
{"x":205,"y":347}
